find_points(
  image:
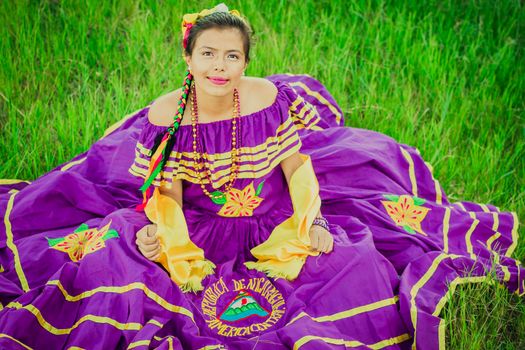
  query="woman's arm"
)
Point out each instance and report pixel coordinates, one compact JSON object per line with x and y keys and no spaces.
{"x":147,"y":241}
{"x":320,"y":238}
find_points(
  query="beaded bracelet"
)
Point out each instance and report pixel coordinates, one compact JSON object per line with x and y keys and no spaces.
{"x":321,"y":221}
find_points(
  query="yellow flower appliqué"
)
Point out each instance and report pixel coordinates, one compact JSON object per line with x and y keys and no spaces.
{"x":83,"y":241}
{"x":407,"y":212}
{"x":241,"y":202}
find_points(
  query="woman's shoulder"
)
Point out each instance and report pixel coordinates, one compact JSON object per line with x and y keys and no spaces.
{"x":161,"y":111}
{"x":257,"y":94}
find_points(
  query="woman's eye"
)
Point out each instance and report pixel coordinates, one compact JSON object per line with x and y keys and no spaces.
{"x":233,"y":57}
{"x":207,"y":53}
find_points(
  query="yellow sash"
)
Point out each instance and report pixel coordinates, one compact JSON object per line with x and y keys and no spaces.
{"x":184,"y":261}
{"x":284,"y":253}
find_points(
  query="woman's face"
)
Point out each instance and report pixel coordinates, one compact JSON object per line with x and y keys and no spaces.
{"x":217,"y":61}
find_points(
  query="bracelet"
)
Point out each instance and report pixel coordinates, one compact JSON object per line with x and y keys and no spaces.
{"x":321,"y":221}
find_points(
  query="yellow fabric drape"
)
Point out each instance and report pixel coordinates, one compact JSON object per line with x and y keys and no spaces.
{"x":184,"y":261}
{"x":284,"y":253}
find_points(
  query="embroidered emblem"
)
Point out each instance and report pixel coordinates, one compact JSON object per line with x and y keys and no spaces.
{"x":242,"y":307}
{"x":407,"y":212}
{"x":83,"y":241}
{"x":242,"y":202}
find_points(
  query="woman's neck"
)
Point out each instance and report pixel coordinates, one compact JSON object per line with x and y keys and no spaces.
{"x":214,"y":107}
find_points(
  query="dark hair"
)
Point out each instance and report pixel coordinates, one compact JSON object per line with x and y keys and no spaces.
{"x":221,"y":20}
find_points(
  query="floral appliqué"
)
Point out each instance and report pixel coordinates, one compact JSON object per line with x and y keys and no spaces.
{"x":407,"y":212}
{"x":83,"y":241}
{"x":241,"y":202}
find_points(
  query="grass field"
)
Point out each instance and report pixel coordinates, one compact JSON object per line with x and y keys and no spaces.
{"x":447,"y":77}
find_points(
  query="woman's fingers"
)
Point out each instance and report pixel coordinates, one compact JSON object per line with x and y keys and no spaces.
{"x":151,"y":254}
{"x":148,"y":247}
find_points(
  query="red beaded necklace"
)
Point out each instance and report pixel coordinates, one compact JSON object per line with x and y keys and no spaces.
{"x":218,"y":197}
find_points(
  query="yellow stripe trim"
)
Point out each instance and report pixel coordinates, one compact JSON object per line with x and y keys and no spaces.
{"x":3,"y":335}
{"x":320,"y":98}
{"x":63,"y":331}
{"x":351,"y":312}
{"x":446,"y":226}
{"x":439,"y":194}
{"x":419,"y":284}
{"x":243,"y":173}
{"x":484,"y":208}
{"x":11,"y":244}
{"x":352,"y":343}
{"x":468,"y":235}
{"x":212,"y":347}
{"x":123,"y":289}
{"x":461,"y":206}
{"x":12,"y":181}
{"x":492,"y":239}
{"x":245,"y":153}
{"x":515,"y":236}
{"x":495,"y":224}
{"x":441,"y":334}
{"x":138,"y":343}
{"x":72,"y":164}
{"x":411,"y":170}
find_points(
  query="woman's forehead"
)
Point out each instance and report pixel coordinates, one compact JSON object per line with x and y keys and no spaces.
{"x":227,"y":39}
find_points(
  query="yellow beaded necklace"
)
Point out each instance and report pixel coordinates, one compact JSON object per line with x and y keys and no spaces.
{"x":218,"y":197}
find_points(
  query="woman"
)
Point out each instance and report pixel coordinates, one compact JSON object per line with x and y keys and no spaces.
{"x":233,"y":216}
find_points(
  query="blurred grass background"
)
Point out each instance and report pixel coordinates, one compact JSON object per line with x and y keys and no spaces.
{"x":447,"y":77}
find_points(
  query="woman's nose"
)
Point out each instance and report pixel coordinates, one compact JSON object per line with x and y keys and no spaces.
{"x":219,"y":64}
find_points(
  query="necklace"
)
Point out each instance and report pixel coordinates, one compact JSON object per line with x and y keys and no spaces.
{"x":218,"y":197}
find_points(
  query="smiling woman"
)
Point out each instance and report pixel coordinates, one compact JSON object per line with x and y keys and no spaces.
{"x":264,"y":223}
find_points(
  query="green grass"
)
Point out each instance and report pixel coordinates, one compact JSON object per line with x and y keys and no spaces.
{"x":445,"y":76}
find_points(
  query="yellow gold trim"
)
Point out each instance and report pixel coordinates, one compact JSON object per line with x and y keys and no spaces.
{"x":441,"y":334}
{"x":11,"y":244}
{"x":241,"y":175}
{"x":419,"y":284}
{"x":492,"y":239}
{"x":515,"y":236}
{"x":212,"y":347}
{"x":72,"y":164}
{"x":461,"y":206}
{"x":138,"y":343}
{"x":189,"y":164}
{"x":484,"y":208}
{"x":12,"y":181}
{"x":320,"y":98}
{"x":62,"y":331}
{"x":123,"y":289}
{"x":411,"y":170}
{"x":445,"y":299}
{"x":350,"y":312}
{"x":245,"y":153}
{"x":506,"y":273}
{"x":495,"y":224}
{"x":3,"y":335}
{"x":468,"y":236}
{"x":352,"y":343}
{"x":446,"y":225}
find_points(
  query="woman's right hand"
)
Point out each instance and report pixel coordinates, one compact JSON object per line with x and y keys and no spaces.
{"x":148,"y":243}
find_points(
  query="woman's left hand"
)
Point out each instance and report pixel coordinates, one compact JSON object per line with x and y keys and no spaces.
{"x":321,"y":240}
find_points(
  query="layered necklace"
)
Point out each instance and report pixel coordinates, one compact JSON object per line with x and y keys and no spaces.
{"x":199,"y":161}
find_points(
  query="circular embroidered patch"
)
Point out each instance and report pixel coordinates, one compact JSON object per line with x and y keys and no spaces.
{"x":242,"y":307}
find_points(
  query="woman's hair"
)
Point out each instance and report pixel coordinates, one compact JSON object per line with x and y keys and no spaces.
{"x":215,"y":20}
{"x":221,"y":20}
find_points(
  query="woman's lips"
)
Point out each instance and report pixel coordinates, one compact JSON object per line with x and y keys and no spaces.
{"x":218,"y":81}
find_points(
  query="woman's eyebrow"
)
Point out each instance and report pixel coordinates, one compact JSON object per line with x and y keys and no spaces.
{"x":214,"y":49}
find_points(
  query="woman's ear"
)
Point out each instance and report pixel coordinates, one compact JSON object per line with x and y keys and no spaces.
{"x":188,"y":60}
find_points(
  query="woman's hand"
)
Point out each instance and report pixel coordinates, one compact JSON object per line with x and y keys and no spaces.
{"x":148,"y":243}
{"x":320,"y":239}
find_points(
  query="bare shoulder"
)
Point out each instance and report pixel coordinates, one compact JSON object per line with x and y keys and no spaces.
{"x":163,"y":108}
{"x":258,"y":93}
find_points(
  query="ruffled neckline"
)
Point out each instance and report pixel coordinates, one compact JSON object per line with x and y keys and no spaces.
{"x":273,"y":107}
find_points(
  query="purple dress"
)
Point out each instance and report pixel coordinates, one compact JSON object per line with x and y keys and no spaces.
{"x":72,"y":277}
